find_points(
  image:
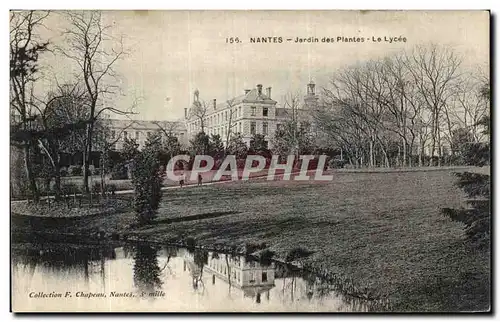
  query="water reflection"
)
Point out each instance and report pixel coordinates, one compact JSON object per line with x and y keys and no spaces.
{"x":190,"y":280}
{"x":146,"y":268}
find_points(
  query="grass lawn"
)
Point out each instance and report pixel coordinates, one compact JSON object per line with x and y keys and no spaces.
{"x":382,"y":231}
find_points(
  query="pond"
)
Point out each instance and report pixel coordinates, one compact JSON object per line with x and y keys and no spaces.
{"x":144,"y":277}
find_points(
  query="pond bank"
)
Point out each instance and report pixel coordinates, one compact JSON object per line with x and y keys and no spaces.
{"x":384,"y":232}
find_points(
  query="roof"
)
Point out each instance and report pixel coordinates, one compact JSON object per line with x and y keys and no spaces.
{"x":251,"y":97}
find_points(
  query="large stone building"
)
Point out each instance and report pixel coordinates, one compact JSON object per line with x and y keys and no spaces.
{"x":140,"y":130}
{"x":253,"y":112}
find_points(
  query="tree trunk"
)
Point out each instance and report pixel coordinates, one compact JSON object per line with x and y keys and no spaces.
{"x":86,"y":158}
{"x":57,"y":180}
{"x":439,"y":147}
{"x":29,"y":174}
{"x":371,"y":153}
{"x":404,"y":152}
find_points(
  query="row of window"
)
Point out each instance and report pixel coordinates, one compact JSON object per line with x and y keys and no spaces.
{"x":219,"y":118}
{"x":222,"y":269}
{"x":253,"y":126}
{"x":138,"y":134}
{"x":238,"y":128}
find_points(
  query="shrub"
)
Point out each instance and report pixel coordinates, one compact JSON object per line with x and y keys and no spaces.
{"x":477,"y":217}
{"x":63,"y":172}
{"x":147,"y":180}
{"x":337,"y":163}
{"x":96,"y":171}
{"x":70,"y":188}
{"x":111,"y":188}
{"x":91,"y":169}
{"x":75,"y":170}
{"x":96,"y":187}
{"x":119,"y":172}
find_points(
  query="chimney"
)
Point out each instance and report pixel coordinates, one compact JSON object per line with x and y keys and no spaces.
{"x":215,"y":104}
{"x":310,"y":88}
{"x":259,"y":89}
{"x":247,"y":91}
{"x":268,"y":92}
{"x":185,"y":113}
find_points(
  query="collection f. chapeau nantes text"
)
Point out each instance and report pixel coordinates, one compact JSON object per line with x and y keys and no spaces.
{"x":336,"y":39}
{"x":90,"y":295}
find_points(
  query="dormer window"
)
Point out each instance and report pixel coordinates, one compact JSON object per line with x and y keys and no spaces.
{"x":254,"y":110}
{"x":265,"y":112}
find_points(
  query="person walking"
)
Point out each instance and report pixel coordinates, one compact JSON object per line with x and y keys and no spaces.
{"x":182,"y":179}
{"x":200,"y":179}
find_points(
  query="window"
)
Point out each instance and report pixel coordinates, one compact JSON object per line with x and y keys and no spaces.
{"x":264,"y":128}
{"x":279,"y":126}
{"x":137,"y":134}
{"x":252,"y":277}
{"x":265,"y":112}
{"x":113,"y":134}
{"x":239,"y":111}
{"x":225,"y":116}
{"x":125,"y":134}
{"x":149,"y":134}
{"x":264,"y":276}
{"x":254,"y":109}
{"x":239,"y":127}
{"x":252,"y":128}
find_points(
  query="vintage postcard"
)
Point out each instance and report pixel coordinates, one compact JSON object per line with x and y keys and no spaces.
{"x":250,"y":161}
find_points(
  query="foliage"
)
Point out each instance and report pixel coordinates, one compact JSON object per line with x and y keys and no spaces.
{"x":70,"y":188}
{"x":237,"y":147}
{"x":216,"y":147}
{"x":170,"y":148}
{"x":75,"y":170}
{"x":258,"y":143}
{"x":146,"y":268}
{"x":200,"y":144}
{"x":147,"y":181}
{"x":477,"y":217}
{"x":130,"y":150}
{"x":290,"y":139}
{"x":119,"y":172}
{"x":297,"y":253}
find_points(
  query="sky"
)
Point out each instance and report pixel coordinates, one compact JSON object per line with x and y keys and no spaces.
{"x":172,"y":53}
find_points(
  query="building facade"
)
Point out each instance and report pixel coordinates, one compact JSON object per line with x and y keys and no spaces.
{"x":119,"y":130}
{"x":253,"y":112}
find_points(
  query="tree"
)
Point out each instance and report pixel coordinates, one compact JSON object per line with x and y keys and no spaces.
{"x":216,"y":147}
{"x":25,"y":50}
{"x":90,"y":46}
{"x":146,"y":268}
{"x":200,"y":144}
{"x":171,"y":145}
{"x":199,"y":111}
{"x":291,"y":139}
{"x":230,"y":120}
{"x":477,"y":218}
{"x":258,"y":143}
{"x":147,"y":181}
{"x":237,"y":147}
{"x":434,"y":69}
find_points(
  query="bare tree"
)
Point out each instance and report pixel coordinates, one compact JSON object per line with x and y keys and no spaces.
{"x":290,"y":136}
{"x":199,"y":112}
{"x":230,"y":124}
{"x":434,"y":69}
{"x":95,"y":51}
{"x":25,"y":48}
